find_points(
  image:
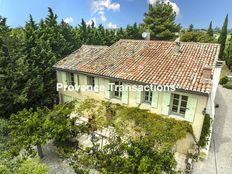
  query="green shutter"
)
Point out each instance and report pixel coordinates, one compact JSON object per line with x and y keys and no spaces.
{"x":155,"y":98}
{"x":107,"y":89}
{"x":85,"y":80}
{"x":96,"y":81}
{"x":125,"y":95}
{"x":138,"y":96}
{"x":166,"y":103}
{"x":191,"y":108}
{"x":64,"y":78}
{"x":76,"y":79}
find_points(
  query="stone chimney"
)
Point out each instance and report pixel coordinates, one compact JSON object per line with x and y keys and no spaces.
{"x":207,"y":72}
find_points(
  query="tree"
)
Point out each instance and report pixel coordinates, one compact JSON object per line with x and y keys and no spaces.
{"x":124,"y":157}
{"x":190,"y":29}
{"x":160,"y":20}
{"x":32,"y":166}
{"x":195,"y":36}
{"x":35,"y":128}
{"x":13,"y":70}
{"x":228,"y":54}
{"x":222,"y":38}
{"x":210,"y":30}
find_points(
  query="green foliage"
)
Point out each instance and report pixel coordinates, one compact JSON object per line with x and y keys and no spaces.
{"x":32,"y":166}
{"x":210,"y":29}
{"x":162,"y":28}
{"x":222,"y":38}
{"x":223,"y":80}
{"x":190,"y":29}
{"x":161,"y":132}
{"x":228,"y":85}
{"x":21,"y":165}
{"x":228,"y":54}
{"x":124,"y":157}
{"x":196,"y":36}
{"x":30,"y":127}
{"x":204,"y":139}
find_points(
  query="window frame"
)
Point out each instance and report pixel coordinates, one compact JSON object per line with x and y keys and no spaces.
{"x":70,"y":78}
{"x":149,"y":99}
{"x":180,"y":100}
{"x":91,"y":81}
{"x":119,"y":96}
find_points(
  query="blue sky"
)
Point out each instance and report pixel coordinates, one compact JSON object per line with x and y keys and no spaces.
{"x":115,"y":13}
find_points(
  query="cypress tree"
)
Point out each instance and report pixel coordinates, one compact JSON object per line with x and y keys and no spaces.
{"x":210,"y":29}
{"x":190,"y":29}
{"x":222,"y":38}
{"x":229,"y":54}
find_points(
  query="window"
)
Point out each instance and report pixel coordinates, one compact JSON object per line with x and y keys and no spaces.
{"x":117,"y":92}
{"x":70,"y":77}
{"x":179,"y":104}
{"x":91,"y":82}
{"x":147,"y":97}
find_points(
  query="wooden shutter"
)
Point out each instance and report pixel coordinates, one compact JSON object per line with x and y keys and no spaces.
{"x":64,"y":78}
{"x":125,"y":94}
{"x":191,"y":108}
{"x":138,"y":96}
{"x":107,"y":89}
{"x":155,"y":98}
{"x":166,"y":103}
{"x":96,"y":81}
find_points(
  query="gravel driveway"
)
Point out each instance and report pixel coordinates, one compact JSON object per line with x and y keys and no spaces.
{"x":220,"y":156}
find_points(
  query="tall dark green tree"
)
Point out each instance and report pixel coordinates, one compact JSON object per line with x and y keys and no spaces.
{"x":160,"y":20}
{"x":210,"y":29}
{"x":222,"y":38}
{"x":190,"y":29}
{"x":13,"y":70}
{"x":228,"y":55}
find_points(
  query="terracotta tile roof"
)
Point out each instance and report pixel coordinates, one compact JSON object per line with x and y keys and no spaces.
{"x":150,"y":62}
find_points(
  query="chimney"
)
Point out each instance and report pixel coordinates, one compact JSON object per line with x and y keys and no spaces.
{"x":177,"y":47}
{"x":207,"y":70}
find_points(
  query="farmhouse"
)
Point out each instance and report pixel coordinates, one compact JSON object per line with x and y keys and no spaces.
{"x":190,"y":67}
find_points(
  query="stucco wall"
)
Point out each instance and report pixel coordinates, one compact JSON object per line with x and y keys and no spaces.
{"x":197,"y":120}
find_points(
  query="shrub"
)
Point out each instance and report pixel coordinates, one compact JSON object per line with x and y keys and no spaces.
{"x":205,"y":131}
{"x":228,"y":85}
{"x":223,"y":80}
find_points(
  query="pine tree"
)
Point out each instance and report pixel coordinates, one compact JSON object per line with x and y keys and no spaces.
{"x":160,"y":19}
{"x":210,"y":30}
{"x":222,"y":38}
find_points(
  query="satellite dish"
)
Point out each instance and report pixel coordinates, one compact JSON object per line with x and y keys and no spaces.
{"x":144,"y":35}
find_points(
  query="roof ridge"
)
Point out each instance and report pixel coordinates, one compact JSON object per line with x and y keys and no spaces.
{"x":166,"y":41}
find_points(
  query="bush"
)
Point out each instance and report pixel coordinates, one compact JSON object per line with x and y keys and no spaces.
{"x":205,"y":132}
{"x":228,"y":85}
{"x":223,"y":80}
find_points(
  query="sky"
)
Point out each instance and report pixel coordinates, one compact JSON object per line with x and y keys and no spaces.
{"x":115,"y":13}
